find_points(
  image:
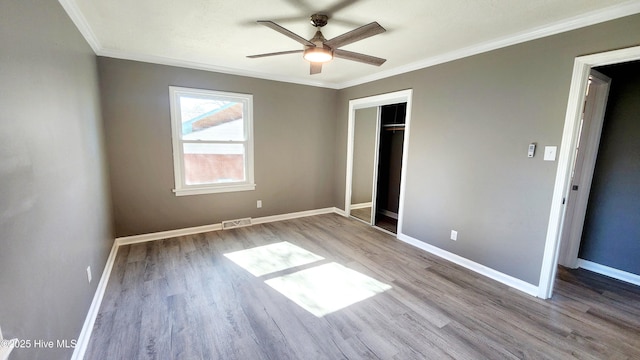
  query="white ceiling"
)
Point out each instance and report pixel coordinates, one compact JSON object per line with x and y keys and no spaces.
{"x":218,"y":35}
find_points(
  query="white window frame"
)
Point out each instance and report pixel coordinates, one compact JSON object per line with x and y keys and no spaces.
{"x":181,"y":188}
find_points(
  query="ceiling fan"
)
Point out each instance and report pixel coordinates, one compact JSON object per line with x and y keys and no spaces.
{"x":319,"y":50}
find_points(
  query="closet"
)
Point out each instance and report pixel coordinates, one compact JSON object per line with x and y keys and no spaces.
{"x":389,"y":166}
{"x":377,"y":164}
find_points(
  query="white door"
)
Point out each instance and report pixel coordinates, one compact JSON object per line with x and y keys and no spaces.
{"x":586,"y":152}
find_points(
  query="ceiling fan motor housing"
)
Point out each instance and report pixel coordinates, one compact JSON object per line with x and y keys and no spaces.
{"x":318,"y":39}
{"x":319,"y":20}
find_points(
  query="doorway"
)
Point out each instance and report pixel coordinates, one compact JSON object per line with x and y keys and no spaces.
{"x":570,"y":136}
{"x":391,"y":140}
{"x":376,"y":158}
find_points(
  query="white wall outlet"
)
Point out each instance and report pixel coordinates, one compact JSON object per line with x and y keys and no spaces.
{"x":454,"y":235}
{"x":89,"y":273}
{"x":259,"y":204}
{"x":550,"y":153}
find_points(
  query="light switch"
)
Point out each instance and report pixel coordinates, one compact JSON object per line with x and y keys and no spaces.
{"x":550,"y":153}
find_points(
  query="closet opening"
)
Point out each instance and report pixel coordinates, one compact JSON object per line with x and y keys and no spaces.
{"x":389,"y":166}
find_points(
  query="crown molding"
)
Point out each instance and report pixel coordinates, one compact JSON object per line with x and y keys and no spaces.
{"x":125,"y":55}
{"x":573,"y":23}
{"x":72,"y":9}
{"x":81,"y":23}
{"x":587,"y":19}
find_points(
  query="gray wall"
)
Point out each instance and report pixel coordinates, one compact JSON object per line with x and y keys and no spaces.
{"x":472,"y":120}
{"x":294,"y":131}
{"x":364,"y":147}
{"x":611,"y":233}
{"x":54,"y":208}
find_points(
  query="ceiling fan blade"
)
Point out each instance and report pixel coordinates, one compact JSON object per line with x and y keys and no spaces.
{"x":339,"y":6}
{"x":302,"y":18}
{"x":352,"y":36}
{"x":283,"y":31}
{"x":316,"y":68}
{"x":308,"y":8}
{"x":302,"y":5}
{"x":275,"y":53}
{"x":350,"y":55}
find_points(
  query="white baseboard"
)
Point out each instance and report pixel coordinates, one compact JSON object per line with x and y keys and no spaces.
{"x":134,"y":239}
{"x":87,"y":327}
{"x":473,"y":266}
{"x":295,"y":215}
{"x":609,"y":271}
{"x":126,"y":240}
{"x":339,"y":211}
{"x":361,"y":205}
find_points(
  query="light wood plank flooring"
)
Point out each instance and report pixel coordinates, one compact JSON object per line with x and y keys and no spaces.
{"x":181,"y":298}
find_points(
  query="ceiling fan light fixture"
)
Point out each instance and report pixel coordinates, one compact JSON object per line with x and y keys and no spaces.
{"x":318,"y":55}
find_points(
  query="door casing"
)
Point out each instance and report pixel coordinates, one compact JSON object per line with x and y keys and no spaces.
{"x":581,"y":69}
{"x":402,"y":96}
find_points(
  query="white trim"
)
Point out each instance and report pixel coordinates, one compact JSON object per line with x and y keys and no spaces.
{"x":609,"y":271}
{"x":473,"y":266}
{"x":87,"y":327}
{"x":213,"y":190}
{"x":134,"y":239}
{"x":402,"y":96}
{"x":161,"y":60}
{"x":295,"y":215}
{"x":581,"y":68}
{"x":71,"y":7}
{"x":339,"y":211}
{"x":181,"y":186}
{"x":405,"y":160}
{"x":576,"y":22}
{"x":587,"y":19}
{"x":361,"y":205}
{"x":351,"y":123}
{"x":376,"y":164}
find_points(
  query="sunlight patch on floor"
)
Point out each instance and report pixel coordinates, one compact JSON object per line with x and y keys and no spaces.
{"x":272,"y":258}
{"x":321,"y":289}
{"x":327,"y":288}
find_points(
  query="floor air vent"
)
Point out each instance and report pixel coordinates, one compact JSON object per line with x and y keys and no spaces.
{"x":230,"y":224}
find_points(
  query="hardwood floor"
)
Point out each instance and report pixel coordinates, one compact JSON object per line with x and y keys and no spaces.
{"x":182,"y":298}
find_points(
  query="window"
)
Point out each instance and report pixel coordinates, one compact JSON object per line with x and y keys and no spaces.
{"x":212,"y":141}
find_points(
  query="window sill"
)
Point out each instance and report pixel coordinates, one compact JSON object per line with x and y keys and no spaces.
{"x":214,"y":190}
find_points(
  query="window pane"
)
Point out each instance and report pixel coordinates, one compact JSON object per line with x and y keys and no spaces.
{"x":208,"y":119}
{"x":213,"y":163}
